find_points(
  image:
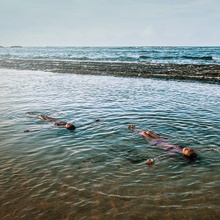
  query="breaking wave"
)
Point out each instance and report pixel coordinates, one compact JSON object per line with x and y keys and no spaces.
{"x":176,"y":55}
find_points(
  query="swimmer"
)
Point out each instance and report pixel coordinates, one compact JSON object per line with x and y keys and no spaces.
{"x":156,"y":140}
{"x":68,"y":126}
{"x":46,"y":118}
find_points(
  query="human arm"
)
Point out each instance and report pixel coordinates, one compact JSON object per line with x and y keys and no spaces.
{"x":45,"y":118}
{"x":26,"y":131}
{"x":60,"y":123}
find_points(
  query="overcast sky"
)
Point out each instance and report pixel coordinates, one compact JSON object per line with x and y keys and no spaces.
{"x":109,"y":22}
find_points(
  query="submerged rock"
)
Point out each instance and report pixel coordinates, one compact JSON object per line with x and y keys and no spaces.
{"x":193,"y":72}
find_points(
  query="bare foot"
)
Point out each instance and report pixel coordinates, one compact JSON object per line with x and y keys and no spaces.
{"x":131,"y":127}
{"x":150,"y":161}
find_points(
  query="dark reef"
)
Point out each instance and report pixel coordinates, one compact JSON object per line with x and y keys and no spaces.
{"x":193,"y":72}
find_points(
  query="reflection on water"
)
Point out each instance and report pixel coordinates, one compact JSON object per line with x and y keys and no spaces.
{"x":99,"y":171}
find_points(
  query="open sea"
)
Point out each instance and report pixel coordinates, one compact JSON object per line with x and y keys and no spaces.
{"x":98,"y":171}
{"x":177,"y":55}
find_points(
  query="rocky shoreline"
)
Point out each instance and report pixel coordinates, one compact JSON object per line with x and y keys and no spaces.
{"x":193,"y":72}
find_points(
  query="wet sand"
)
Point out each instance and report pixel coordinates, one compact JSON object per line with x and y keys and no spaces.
{"x":193,"y":72}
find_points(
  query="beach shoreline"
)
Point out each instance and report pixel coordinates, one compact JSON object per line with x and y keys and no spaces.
{"x":194,"y":72}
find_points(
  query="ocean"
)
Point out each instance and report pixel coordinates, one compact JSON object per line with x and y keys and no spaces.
{"x":177,"y":55}
{"x":98,"y":171}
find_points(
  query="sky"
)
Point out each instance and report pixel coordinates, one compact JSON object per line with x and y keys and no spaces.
{"x":110,"y":22}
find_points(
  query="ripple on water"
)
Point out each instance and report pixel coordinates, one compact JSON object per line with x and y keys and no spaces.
{"x":99,"y":169}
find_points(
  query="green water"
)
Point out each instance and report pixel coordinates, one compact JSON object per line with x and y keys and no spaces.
{"x":99,"y":171}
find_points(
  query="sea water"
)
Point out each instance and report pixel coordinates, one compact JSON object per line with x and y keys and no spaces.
{"x":177,"y":55}
{"x":98,"y":171}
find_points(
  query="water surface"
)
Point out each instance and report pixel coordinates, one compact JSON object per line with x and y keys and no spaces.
{"x":99,"y":171}
{"x":177,"y":55}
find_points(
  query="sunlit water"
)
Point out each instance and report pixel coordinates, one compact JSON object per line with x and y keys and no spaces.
{"x":99,"y":171}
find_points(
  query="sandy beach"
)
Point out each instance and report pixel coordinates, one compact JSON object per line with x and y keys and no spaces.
{"x":192,"y":72}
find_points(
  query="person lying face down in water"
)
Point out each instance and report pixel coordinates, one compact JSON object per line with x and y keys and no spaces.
{"x":156,"y":140}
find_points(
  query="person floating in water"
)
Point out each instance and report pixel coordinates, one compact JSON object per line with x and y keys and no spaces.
{"x":46,"y":118}
{"x":68,"y":126}
{"x":156,"y":140}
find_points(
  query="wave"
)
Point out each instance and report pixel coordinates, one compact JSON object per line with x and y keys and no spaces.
{"x":195,"y":55}
{"x":144,"y":57}
{"x":216,"y":59}
{"x":168,"y":57}
{"x":198,"y":58}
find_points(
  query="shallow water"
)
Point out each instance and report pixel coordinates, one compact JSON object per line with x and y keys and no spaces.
{"x":98,"y":171}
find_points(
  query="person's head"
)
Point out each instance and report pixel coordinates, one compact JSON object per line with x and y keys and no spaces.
{"x":70,"y":126}
{"x":189,"y":152}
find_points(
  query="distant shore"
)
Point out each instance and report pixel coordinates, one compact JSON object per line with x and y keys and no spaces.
{"x":193,"y":72}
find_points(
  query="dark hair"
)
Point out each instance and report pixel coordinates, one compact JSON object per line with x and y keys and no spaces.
{"x":193,"y":155}
{"x":191,"y":159}
{"x":70,"y":126}
{"x":190,"y":152}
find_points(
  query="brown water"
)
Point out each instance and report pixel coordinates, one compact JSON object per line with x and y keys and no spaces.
{"x":99,"y":171}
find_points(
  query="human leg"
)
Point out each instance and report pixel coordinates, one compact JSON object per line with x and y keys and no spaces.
{"x":153,"y":135}
{"x":50,"y":118}
{"x":146,"y":136}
